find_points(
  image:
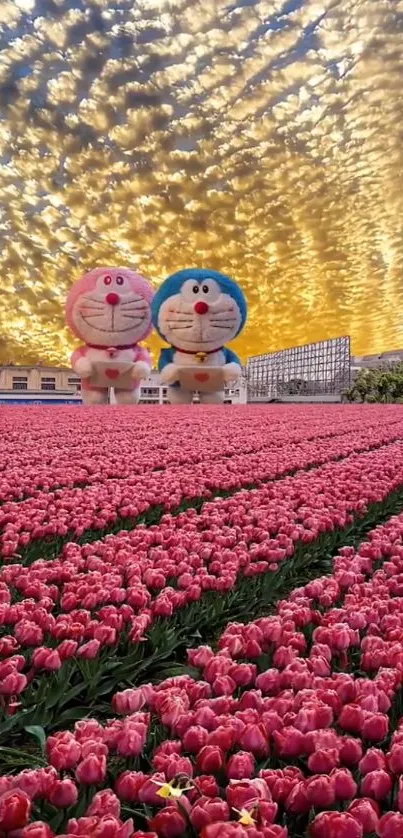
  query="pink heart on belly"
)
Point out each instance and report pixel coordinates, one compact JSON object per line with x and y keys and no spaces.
{"x":202,"y":376}
{"x":111,"y":373}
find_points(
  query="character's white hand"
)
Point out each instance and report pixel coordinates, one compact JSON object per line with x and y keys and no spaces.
{"x":141,"y":370}
{"x":231,"y":372}
{"x":169,"y":374}
{"x":83,"y":367}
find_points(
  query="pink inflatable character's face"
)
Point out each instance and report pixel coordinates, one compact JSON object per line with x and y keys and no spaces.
{"x":110,"y":307}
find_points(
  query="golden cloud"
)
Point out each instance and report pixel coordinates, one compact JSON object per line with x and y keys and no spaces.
{"x":263,"y":139}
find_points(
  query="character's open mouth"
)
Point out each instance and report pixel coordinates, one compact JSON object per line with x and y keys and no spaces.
{"x":134,"y":324}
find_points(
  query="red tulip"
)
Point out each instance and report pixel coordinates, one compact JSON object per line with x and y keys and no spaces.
{"x":15,"y":808}
{"x":89,"y":650}
{"x":376,"y":784}
{"x":289,"y":742}
{"x":210,"y":759}
{"x":194,"y":739}
{"x":128,"y":785}
{"x":44,"y":658}
{"x":208,"y":810}
{"x":64,"y":793}
{"x":104,"y":803}
{"x":205,"y":785}
{"x":366,"y":812}
{"x":243,"y":793}
{"x":169,"y":823}
{"x":129,"y":701}
{"x":254,"y":739}
{"x":224,"y":830}
{"x":395,"y":759}
{"x":391,"y":825}
{"x":64,"y":755}
{"x":323,"y":760}
{"x":92,"y":770}
{"x":241,"y":766}
{"x":344,"y":784}
{"x":373,"y":760}
{"x":375,"y":727}
{"x":335,"y":825}
{"x":320,"y":792}
{"x":38,"y":829}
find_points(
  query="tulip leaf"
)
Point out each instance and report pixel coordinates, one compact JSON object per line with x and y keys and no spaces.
{"x":39,"y":733}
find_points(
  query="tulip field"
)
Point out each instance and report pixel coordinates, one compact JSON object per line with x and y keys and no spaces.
{"x":201,"y":622}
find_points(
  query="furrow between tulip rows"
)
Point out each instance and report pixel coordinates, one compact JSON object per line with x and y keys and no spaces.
{"x":41,"y":526}
{"x":292,"y":727}
{"x":90,"y":452}
{"x":97,"y":615}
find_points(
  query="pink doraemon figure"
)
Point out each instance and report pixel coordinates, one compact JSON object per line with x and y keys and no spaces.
{"x":110,"y":310}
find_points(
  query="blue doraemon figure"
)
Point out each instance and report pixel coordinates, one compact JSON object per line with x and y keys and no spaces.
{"x":197,"y":311}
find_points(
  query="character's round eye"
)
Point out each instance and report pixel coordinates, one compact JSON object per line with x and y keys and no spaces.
{"x":107,"y":280}
{"x":196,"y":289}
{"x":119,"y":280}
{"x":205,"y":289}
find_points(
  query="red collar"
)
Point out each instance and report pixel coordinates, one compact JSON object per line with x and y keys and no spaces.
{"x":199,"y":352}
{"x":114,"y":348}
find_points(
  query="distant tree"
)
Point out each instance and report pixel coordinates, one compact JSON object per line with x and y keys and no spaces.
{"x":379,"y":385}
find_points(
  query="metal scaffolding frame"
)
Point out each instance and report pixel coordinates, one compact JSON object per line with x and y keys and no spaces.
{"x":316,"y":369}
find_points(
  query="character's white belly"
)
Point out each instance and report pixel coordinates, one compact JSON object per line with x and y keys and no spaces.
{"x":108,"y":370}
{"x":214,"y":359}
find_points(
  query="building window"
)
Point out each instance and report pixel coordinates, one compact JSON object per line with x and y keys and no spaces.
{"x":48,"y":384}
{"x":150,"y":391}
{"x":74,"y":382}
{"x":20,"y":382}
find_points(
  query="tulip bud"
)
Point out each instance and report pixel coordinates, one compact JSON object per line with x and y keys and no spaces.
{"x":104,"y":803}
{"x":376,"y":784}
{"x":128,"y":785}
{"x":194,"y":739}
{"x":38,"y":829}
{"x":320,"y":792}
{"x":241,"y":766}
{"x":15,"y":809}
{"x":208,"y":810}
{"x":169,"y":823}
{"x":92,"y":770}
{"x":373,"y":760}
{"x":391,"y":825}
{"x":210,"y":759}
{"x":335,"y":825}
{"x":64,"y":793}
{"x":367,"y":813}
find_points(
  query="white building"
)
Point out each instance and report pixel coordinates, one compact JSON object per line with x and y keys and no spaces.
{"x":373,"y":362}
{"x":60,"y":385}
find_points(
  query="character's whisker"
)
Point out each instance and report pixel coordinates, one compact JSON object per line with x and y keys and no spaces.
{"x":87,"y":309}
{"x":226,"y":328}
{"x":223,"y":311}
{"x":91,"y":316}
{"x":132,"y":300}
{"x":179,"y":328}
{"x":134,"y":319}
{"x":135,"y":310}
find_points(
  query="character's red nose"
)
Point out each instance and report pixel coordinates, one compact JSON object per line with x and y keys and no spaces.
{"x":112,"y":299}
{"x":201,"y":307}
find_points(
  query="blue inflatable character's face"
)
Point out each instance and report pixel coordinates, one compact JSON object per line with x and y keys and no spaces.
{"x":199,"y":310}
